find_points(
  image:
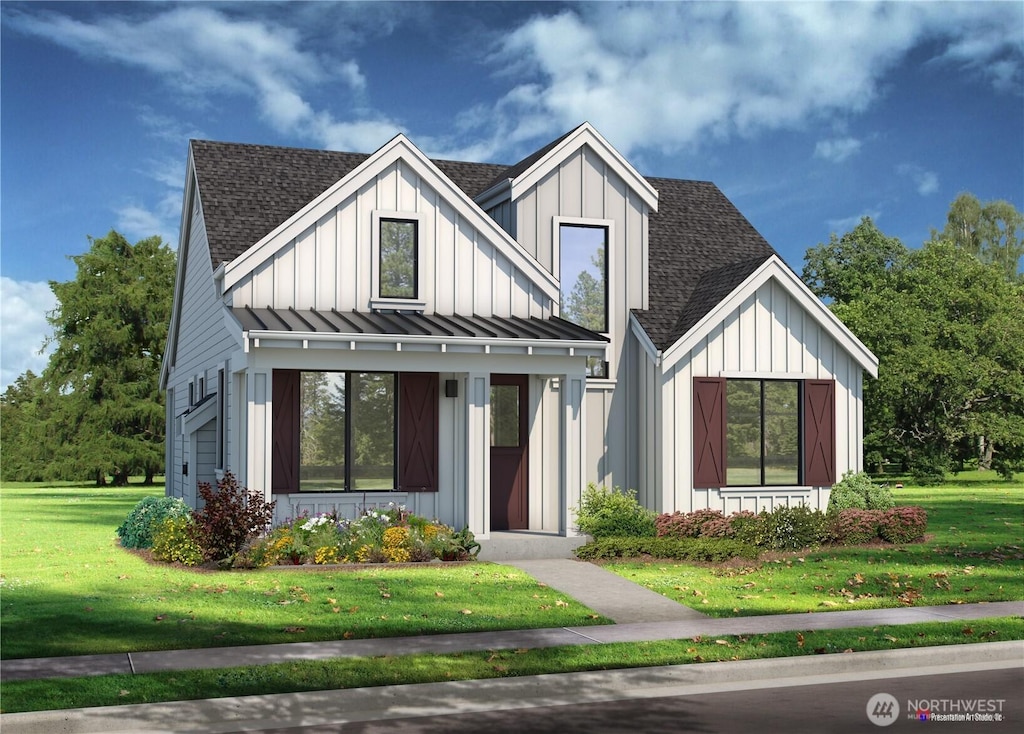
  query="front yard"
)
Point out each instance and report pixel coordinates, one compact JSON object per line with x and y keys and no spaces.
{"x":63,"y":572}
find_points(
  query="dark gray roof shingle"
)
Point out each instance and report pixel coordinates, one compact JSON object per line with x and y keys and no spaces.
{"x":701,"y":247}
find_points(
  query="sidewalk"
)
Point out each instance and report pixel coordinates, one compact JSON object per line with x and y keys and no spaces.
{"x":641,"y":616}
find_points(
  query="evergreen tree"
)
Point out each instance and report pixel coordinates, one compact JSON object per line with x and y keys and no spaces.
{"x":109,"y":332}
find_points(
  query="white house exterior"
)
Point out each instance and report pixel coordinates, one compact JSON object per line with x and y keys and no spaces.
{"x":352,"y":330}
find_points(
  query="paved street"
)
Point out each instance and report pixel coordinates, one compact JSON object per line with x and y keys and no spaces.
{"x":836,"y":708}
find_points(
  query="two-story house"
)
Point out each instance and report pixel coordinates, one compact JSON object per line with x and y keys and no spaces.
{"x":477,"y":342}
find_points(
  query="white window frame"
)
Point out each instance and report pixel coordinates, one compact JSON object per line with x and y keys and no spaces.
{"x":377,"y":301}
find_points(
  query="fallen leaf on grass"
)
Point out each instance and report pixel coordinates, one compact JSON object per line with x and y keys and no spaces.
{"x":721,"y":642}
{"x":348,"y":635}
{"x":294,"y":630}
{"x":160,"y":618}
{"x":890,"y":638}
{"x":438,"y":593}
{"x":470,"y":611}
{"x":122,"y":693}
{"x":560,"y":603}
{"x":799,"y":639}
{"x":967,"y":631}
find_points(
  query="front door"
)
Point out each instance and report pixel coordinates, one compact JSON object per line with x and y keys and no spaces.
{"x":509,"y":467}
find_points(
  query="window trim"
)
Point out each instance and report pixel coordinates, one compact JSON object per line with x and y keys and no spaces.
{"x":381,"y":302}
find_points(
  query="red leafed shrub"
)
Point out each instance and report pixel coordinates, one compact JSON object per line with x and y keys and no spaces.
{"x":700,"y":524}
{"x":903,"y":524}
{"x":853,"y":526}
{"x":231,"y":516}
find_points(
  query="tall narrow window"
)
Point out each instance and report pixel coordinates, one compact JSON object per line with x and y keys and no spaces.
{"x":398,"y":259}
{"x":373,"y":430}
{"x":583,"y":274}
{"x":322,"y":431}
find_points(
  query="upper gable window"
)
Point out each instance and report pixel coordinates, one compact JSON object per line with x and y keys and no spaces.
{"x":396,"y":260}
{"x":583,"y":274}
{"x":398,"y":255}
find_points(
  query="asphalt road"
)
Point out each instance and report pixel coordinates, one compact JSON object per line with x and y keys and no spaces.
{"x":835,"y":708}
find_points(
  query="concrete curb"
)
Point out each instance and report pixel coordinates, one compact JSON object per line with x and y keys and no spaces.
{"x":253,"y":713}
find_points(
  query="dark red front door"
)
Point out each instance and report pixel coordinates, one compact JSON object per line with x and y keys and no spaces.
{"x":509,"y":456}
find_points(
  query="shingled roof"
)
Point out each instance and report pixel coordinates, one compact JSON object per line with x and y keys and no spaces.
{"x":701,"y":247}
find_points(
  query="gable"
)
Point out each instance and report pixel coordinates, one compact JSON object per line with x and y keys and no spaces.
{"x":321,"y":256}
{"x":770,"y":323}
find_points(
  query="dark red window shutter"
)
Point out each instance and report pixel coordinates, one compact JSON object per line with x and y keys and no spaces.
{"x":819,"y":433}
{"x":417,"y":431}
{"x":285,"y":439}
{"x":708,"y":432}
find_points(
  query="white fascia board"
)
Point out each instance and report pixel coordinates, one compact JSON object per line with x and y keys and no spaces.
{"x":498,"y":193}
{"x":774,"y":268}
{"x":345,"y":341}
{"x":645,"y":340}
{"x":184,"y":237}
{"x":585,"y":134}
{"x":399,"y":148}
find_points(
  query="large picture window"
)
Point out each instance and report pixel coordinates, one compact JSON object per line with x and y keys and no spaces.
{"x":347,"y":431}
{"x":583,"y":274}
{"x":751,"y":433}
{"x":762,"y":432}
{"x":354,"y":431}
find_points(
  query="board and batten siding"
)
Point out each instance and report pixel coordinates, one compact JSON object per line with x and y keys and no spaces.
{"x":768,"y":336}
{"x":204,"y":343}
{"x":328,"y":265}
{"x":585,"y":188}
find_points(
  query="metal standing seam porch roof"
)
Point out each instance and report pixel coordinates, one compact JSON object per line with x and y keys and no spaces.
{"x":415,"y":326}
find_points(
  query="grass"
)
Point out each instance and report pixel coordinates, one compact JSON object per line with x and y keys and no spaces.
{"x":113,"y":690}
{"x":973,"y":552}
{"x":63,"y":571}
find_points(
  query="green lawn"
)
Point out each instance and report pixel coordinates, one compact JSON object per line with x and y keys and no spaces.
{"x":973,"y":552}
{"x":68,"y":588}
{"x":63,"y":572}
{"x":114,"y":690}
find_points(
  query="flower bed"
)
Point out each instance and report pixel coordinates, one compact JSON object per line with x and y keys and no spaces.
{"x":383,"y":535}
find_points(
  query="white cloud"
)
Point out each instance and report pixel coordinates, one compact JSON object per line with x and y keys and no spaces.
{"x":845,"y":224}
{"x":23,"y":327}
{"x":203,"y":51}
{"x":673,"y":75}
{"x":926,"y":182}
{"x":837,"y":150}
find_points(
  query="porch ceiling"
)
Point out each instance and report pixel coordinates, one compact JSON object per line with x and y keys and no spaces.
{"x":415,"y":327}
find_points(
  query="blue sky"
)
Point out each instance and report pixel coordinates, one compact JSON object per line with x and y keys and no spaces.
{"x":807,"y":116}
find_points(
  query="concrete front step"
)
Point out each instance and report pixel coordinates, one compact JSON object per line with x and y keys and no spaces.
{"x":520,"y":545}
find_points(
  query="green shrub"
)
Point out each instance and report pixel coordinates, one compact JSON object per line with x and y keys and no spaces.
{"x":175,"y":541}
{"x":856,"y":491}
{"x":605,"y":513}
{"x":138,"y":528}
{"x":230,"y":516}
{"x":784,"y":528}
{"x":880,"y":498}
{"x":680,"y":549}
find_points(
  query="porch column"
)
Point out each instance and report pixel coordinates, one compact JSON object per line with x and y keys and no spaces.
{"x":259,"y":449}
{"x":478,"y":453}
{"x":572,"y":432}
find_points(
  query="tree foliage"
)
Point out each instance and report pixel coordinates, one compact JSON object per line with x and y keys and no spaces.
{"x":990,"y":231}
{"x":945,"y":323}
{"x":97,"y":409}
